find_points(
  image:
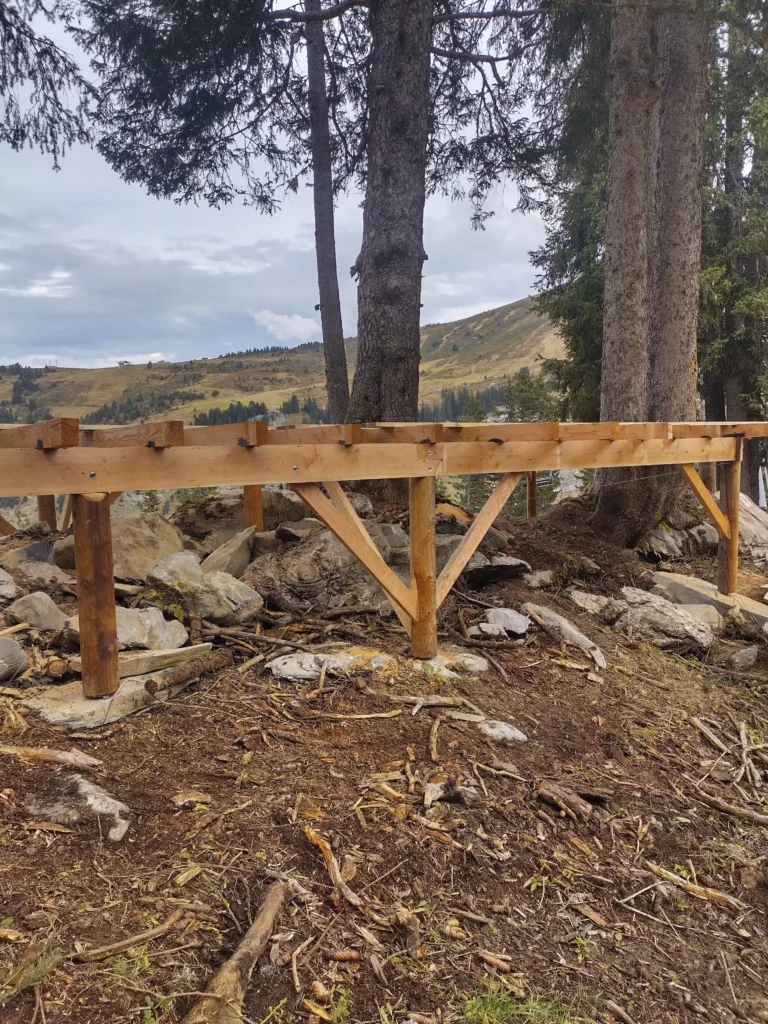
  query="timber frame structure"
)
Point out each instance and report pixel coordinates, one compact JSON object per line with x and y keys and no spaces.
{"x":93,"y":466}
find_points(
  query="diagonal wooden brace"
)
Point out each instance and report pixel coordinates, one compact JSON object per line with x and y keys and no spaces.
{"x":342,"y":527}
{"x":706,"y":498}
{"x":474,"y":535}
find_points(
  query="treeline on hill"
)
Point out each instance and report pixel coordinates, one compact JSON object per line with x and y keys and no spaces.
{"x":140,"y":407}
{"x":275,"y":350}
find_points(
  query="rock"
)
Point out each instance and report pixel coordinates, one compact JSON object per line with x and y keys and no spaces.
{"x":541,"y":579}
{"x":8,"y":589}
{"x":39,"y":611}
{"x":685,"y":590}
{"x":448,"y":664}
{"x":501,"y":732}
{"x":493,"y":542}
{"x":588,"y":567}
{"x":745,"y":658}
{"x":45,"y":573}
{"x":38,"y":551}
{"x":64,"y":553}
{"x":655,"y":620}
{"x":501,"y":567}
{"x":263,"y":544}
{"x":65,"y":705}
{"x":487,"y":631}
{"x":215,"y":520}
{"x":216,"y":596}
{"x":234,"y":557}
{"x":510,"y":620}
{"x":392,"y":541}
{"x":702,"y":539}
{"x":451,"y":518}
{"x":13,"y":659}
{"x":78,"y":799}
{"x":606,"y":608}
{"x":449,"y":792}
{"x":138,"y":543}
{"x":561,"y":629}
{"x":705,"y":613}
{"x":445,"y":545}
{"x":305,"y":666}
{"x":141,"y":629}
{"x":298,"y":530}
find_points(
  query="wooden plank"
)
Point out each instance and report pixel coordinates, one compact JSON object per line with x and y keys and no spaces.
{"x":339,"y":498}
{"x":403,"y":433}
{"x":704,"y":495}
{"x":531,"y":495}
{"x":502,"y":432}
{"x":139,"y":663}
{"x":163,"y":434}
{"x":7,"y":528}
{"x":728,"y":548}
{"x":230,"y":433}
{"x":724,"y":428}
{"x":422,"y":522}
{"x":46,"y":509}
{"x":589,"y":431}
{"x":95,"y":597}
{"x":66,"y":517}
{"x":474,"y":535}
{"x":252,"y":505}
{"x":682,"y":430}
{"x":123,"y":469}
{"x":59,"y":433}
{"x":339,"y":524}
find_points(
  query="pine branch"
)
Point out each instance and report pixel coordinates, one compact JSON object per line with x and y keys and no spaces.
{"x":329,"y":13}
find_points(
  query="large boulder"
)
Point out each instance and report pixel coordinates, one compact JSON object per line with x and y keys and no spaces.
{"x":138,"y":543}
{"x":317,"y":572}
{"x":144,"y":629}
{"x":13,"y":659}
{"x":38,"y":610}
{"x":655,"y":620}
{"x":8,"y":589}
{"x":509,"y":620}
{"x":232,"y":557}
{"x":702,"y":539}
{"x":44,"y":572}
{"x":480,"y":570}
{"x":392,"y":541}
{"x":218,"y":597}
{"x":37,"y":551}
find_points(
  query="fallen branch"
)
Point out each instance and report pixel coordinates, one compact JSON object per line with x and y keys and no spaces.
{"x":433,"y":751}
{"x":224,"y":996}
{"x":699,"y":891}
{"x":713,"y":739}
{"x":738,"y":812}
{"x":335,"y":872}
{"x":102,"y":952}
{"x":72,"y":758}
{"x":185,"y":673}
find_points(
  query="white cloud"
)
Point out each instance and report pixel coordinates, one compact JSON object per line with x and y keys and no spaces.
{"x":48,"y":286}
{"x":288,"y":326}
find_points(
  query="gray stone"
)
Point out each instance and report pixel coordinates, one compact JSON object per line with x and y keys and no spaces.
{"x":702,"y":539}
{"x":745,"y":658}
{"x":45,"y":573}
{"x":502,"y":732}
{"x":509,"y":620}
{"x":487,"y":631}
{"x":448,"y":664}
{"x":589,"y":567}
{"x":606,"y":608}
{"x":300,"y":529}
{"x":493,"y":542}
{"x":657,"y":621}
{"x":234,"y":557}
{"x":38,"y":551}
{"x":263,"y":543}
{"x":38,"y":610}
{"x":138,"y":543}
{"x":392,"y":542}
{"x":13,"y":659}
{"x":707,"y":614}
{"x":141,"y":629}
{"x":216,"y":596}
{"x":304,"y":666}
{"x":445,"y":545}
{"x":66,"y":705}
{"x":64,"y":553}
{"x":684,"y":590}
{"x":77,"y":799}
{"x":500,"y":567}
{"x":541,"y":579}
{"x":8,"y":589}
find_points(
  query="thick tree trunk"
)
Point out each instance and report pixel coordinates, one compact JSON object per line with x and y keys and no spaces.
{"x":738,"y":409}
{"x":620,"y":506}
{"x":337,"y":384}
{"x":386,"y":383}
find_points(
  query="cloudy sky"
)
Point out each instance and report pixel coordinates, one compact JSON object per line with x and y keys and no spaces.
{"x":92,"y":270}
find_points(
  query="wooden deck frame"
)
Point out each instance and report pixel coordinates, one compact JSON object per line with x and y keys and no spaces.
{"x":93,"y":464}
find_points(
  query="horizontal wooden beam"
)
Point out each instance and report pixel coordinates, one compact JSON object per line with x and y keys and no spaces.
{"x":706,"y":498}
{"x":163,"y":434}
{"x":47,"y":434}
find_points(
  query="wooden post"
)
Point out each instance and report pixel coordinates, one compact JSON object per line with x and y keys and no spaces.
{"x":254,"y":513}
{"x":46,"y":510}
{"x":66,"y":517}
{"x":422,"y":508}
{"x":530,"y":493}
{"x":728,"y":548}
{"x":96,"y":596}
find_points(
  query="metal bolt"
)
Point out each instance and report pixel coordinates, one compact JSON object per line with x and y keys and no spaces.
{"x":92,"y":473}
{"x":295,"y":467}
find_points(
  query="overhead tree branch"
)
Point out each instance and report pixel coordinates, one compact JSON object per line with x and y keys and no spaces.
{"x":465,"y":55}
{"x":486,"y":15}
{"x":326,"y":15}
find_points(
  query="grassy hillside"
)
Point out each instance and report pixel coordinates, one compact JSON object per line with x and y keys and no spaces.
{"x":477,"y":351}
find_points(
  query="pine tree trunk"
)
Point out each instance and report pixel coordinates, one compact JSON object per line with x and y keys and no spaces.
{"x":386,"y":383}
{"x":337,"y":384}
{"x":620,"y":506}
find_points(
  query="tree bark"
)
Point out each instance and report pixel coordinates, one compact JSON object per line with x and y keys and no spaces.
{"x":336,"y":381}
{"x":386,"y":383}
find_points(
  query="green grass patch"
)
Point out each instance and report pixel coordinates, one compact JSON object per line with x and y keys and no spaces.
{"x":502,"y":1008}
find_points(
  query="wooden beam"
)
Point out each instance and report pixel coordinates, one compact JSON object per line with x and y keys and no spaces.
{"x":46,"y":509}
{"x":422,"y":522}
{"x":728,"y":548}
{"x":531,"y":495}
{"x":66,"y":517}
{"x":341,"y":501}
{"x":252,"y":506}
{"x":704,"y":495}
{"x":474,"y":535}
{"x":339,"y":524}
{"x":497,"y":432}
{"x":48,"y":434}
{"x":95,"y":597}
{"x":7,"y":528}
{"x":164,"y":434}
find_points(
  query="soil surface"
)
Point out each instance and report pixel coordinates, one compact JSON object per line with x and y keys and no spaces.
{"x":510,"y":907}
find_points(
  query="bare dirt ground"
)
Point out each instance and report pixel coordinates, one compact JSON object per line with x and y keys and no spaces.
{"x":509,"y":909}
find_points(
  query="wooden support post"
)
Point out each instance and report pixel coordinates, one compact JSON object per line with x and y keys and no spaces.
{"x":728,"y":548}
{"x":46,"y":509}
{"x":423,"y":582}
{"x":531,"y":495}
{"x":7,"y":528}
{"x":96,"y":596}
{"x":66,"y":517}
{"x":254,"y":511}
